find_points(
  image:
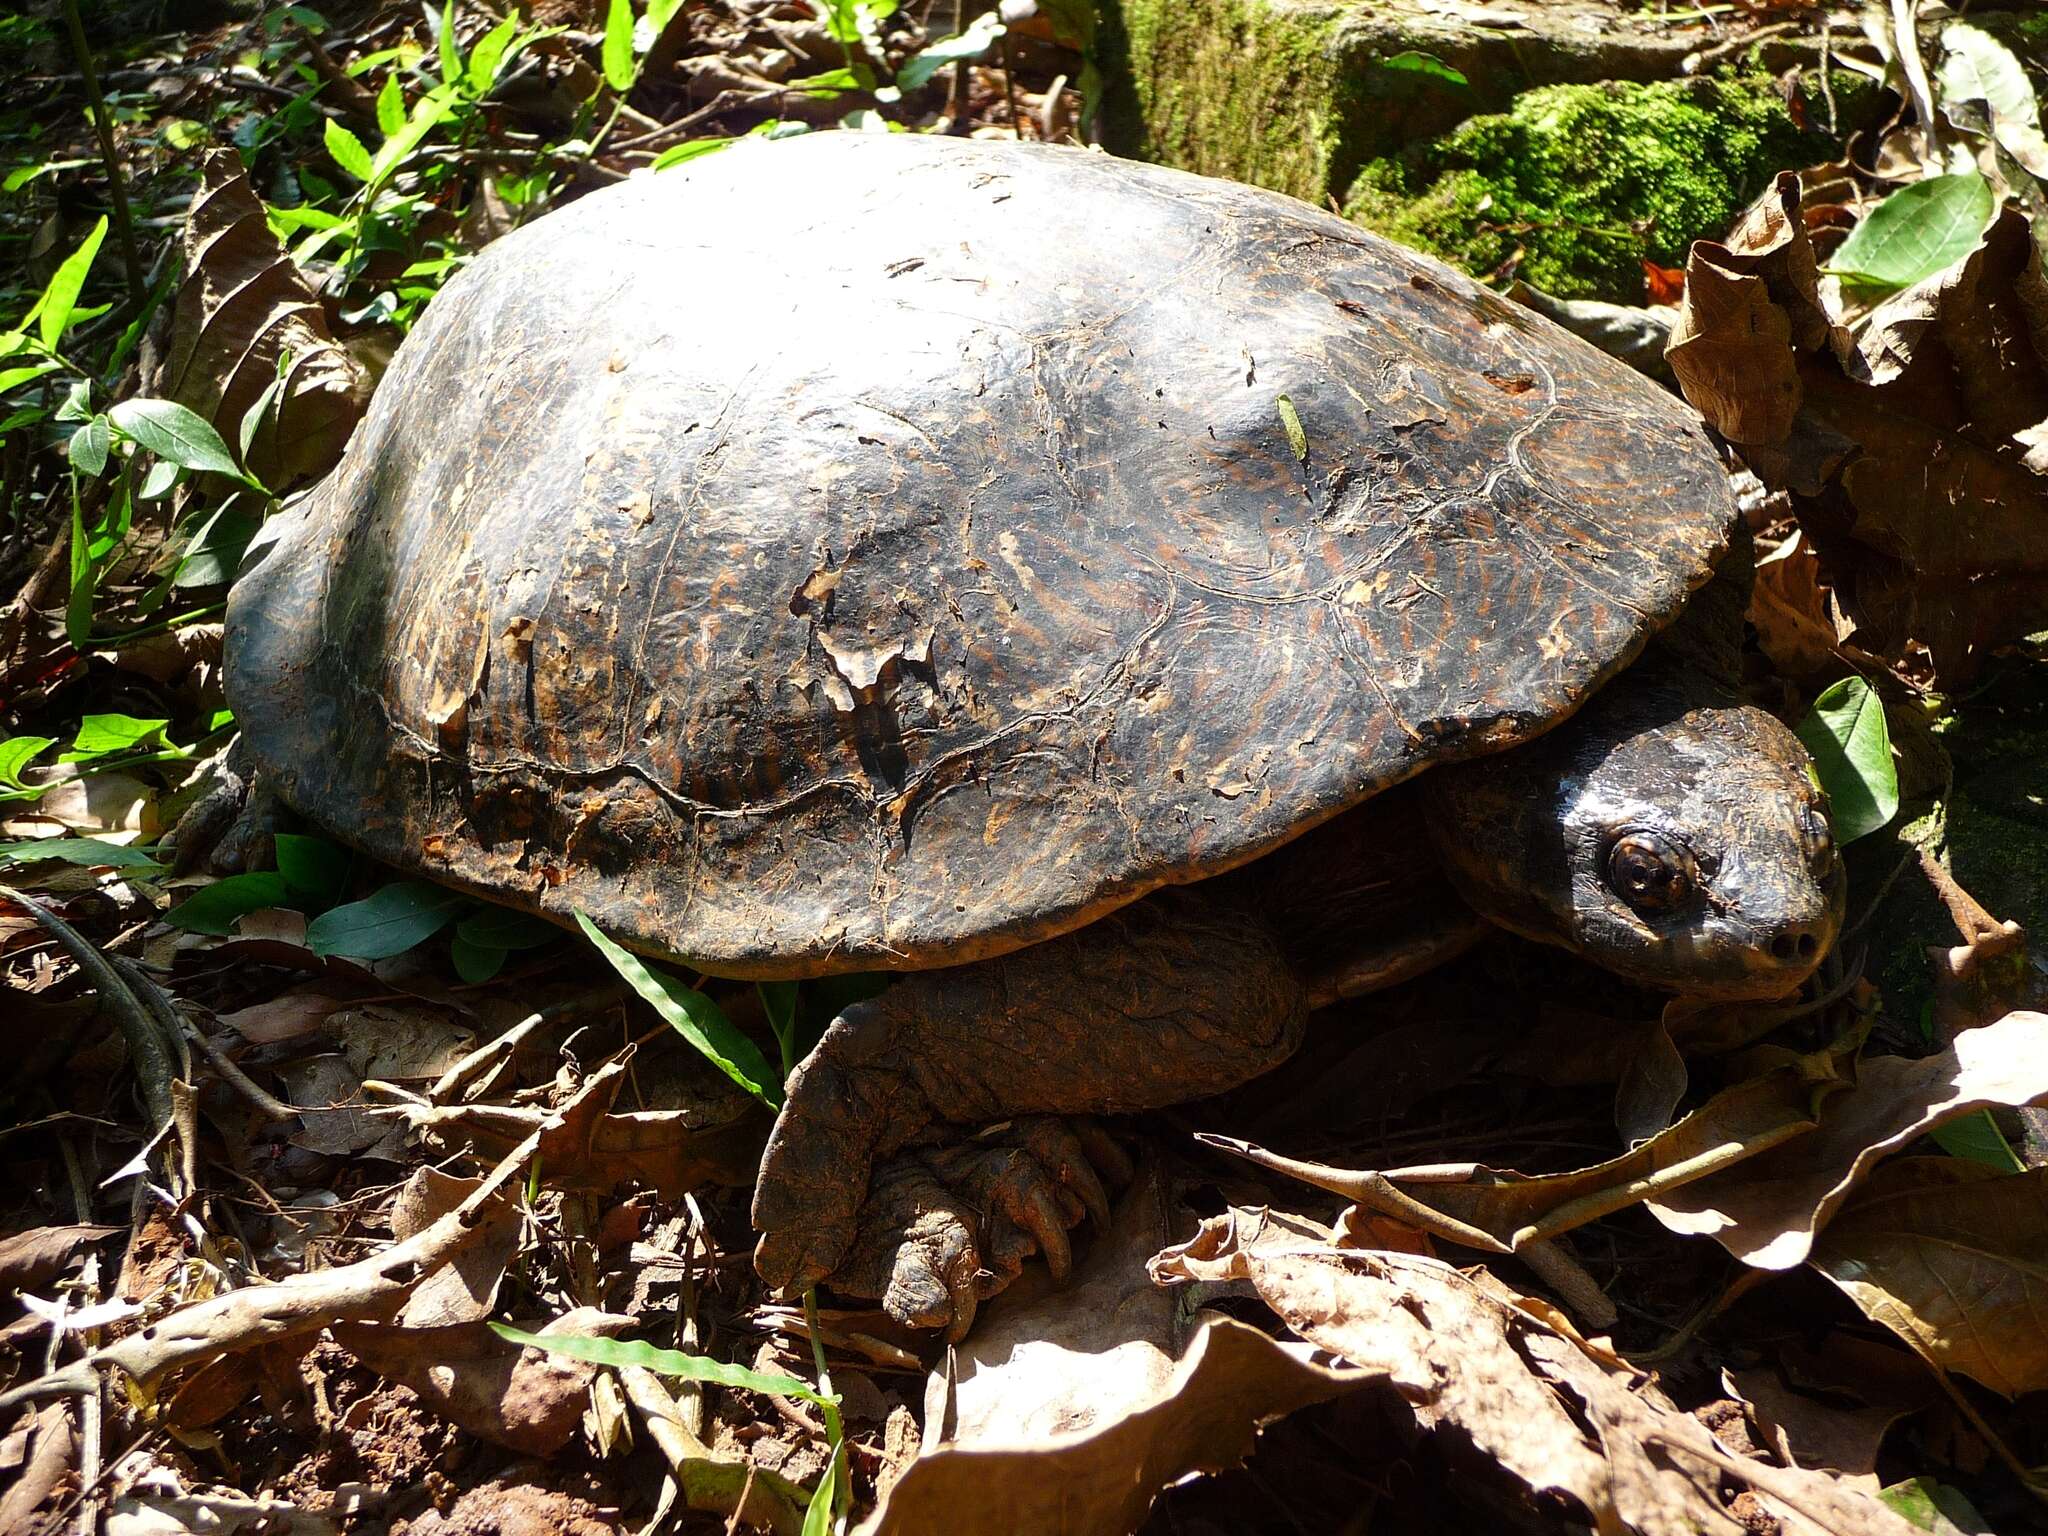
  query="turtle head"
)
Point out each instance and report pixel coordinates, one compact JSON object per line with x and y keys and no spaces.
{"x":1678,"y":844}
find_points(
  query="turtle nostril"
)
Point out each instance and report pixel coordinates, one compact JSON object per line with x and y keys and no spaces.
{"x":1794,"y":944}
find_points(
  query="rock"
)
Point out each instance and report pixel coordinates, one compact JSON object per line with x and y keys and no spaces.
{"x":1573,"y":138}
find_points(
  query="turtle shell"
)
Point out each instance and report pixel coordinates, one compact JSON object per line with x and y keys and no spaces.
{"x":883,"y":551}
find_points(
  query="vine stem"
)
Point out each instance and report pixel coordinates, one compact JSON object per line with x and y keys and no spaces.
{"x":124,"y":221}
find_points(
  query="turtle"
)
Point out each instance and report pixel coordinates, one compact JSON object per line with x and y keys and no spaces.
{"x":1136,"y":608}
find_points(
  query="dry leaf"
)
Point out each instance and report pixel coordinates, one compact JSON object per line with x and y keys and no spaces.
{"x":1767,"y":1211}
{"x":1074,"y":1408}
{"x":1789,"y":606}
{"x":465,"y":1288}
{"x":288,"y":1016}
{"x":244,"y":309}
{"x":1470,"y":1355}
{"x":1805,"y":1431}
{"x":27,"y":1259}
{"x":1917,"y":450}
{"x":1501,"y":1211}
{"x":1952,"y":1256}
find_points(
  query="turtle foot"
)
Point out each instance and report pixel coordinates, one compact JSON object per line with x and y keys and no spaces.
{"x":947,"y":1227}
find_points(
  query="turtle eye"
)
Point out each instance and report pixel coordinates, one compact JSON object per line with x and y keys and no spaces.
{"x":1820,"y":842}
{"x":1651,"y":873}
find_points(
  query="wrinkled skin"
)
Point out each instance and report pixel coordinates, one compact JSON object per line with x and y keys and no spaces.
{"x":1671,"y":837}
{"x":1666,"y":833}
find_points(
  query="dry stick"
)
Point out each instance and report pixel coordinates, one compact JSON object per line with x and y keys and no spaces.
{"x":138,"y":285}
{"x":309,"y":1300}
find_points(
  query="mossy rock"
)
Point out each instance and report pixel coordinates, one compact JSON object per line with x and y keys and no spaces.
{"x":1298,"y":95}
{"x":1570,"y":139}
{"x":1574,"y":187}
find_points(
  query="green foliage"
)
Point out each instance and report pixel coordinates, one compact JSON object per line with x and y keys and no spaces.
{"x":216,"y":908}
{"x":90,"y":851}
{"x":669,"y":1362}
{"x":1852,"y":756}
{"x":314,"y":868}
{"x":692,"y":1015}
{"x":1917,"y":231}
{"x":663,"y":1362}
{"x":387,"y":922}
{"x":1425,"y":64}
{"x":1583,"y":183}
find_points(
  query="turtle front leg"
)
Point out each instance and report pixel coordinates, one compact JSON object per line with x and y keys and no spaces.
{"x":1176,"y":997}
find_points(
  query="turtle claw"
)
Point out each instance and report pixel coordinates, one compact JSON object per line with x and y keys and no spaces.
{"x":945,"y":1228}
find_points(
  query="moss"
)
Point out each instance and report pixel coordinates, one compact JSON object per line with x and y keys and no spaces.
{"x":1586,"y":181}
{"x":1236,"y":88}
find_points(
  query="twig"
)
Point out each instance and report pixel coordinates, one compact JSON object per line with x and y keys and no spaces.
{"x":138,"y":285}
{"x":312,"y":1299}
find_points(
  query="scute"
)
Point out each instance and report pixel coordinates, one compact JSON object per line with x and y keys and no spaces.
{"x":883,"y":551}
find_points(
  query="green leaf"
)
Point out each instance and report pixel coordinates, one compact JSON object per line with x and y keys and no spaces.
{"x":215,"y":552}
{"x":1290,"y":421}
{"x":391,"y":105}
{"x":427,"y":112}
{"x":312,"y":866}
{"x":488,"y":54}
{"x":175,"y":434}
{"x":88,"y":448}
{"x":252,"y":418}
{"x":17,"y":752}
{"x":619,"y":69}
{"x":159,"y":482}
{"x":104,"y":735}
{"x":387,"y":922}
{"x":89,"y":851}
{"x":818,"y":1513}
{"x":1916,"y":232}
{"x":834,"y":82}
{"x":475,"y":963}
{"x":451,"y":50}
{"x":12,"y":378}
{"x":1978,"y":67}
{"x":53,"y":310}
{"x":693,"y":1016}
{"x":503,"y":928}
{"x":1428,"y":64}
{"x":347,"y":150}
{"x":979,"y":36}
{"x":663,"y":1362}
{"x":1978,"y":1138}
{"x":684,"y":153}
{"x":215,"y":908}
{"x":1852,"y":757}
{"x":85,"y":577}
